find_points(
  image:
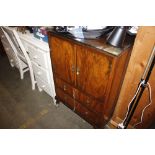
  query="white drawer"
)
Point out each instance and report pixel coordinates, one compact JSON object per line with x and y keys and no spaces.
{"x":40,"y":72}
{"x":44,"y":86}
{"x":37,"y":56}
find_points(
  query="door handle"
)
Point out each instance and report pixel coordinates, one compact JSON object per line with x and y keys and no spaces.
{"x":73,"y":68}
{"x":77,"y":71}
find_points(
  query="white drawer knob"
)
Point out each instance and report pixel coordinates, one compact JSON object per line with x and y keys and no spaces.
{"x":35,"y":57}
{"x":43,"y":86}
{"x":39,"y":73}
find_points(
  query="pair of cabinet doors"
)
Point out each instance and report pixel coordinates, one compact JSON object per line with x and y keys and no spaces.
{"x":82,"y":67}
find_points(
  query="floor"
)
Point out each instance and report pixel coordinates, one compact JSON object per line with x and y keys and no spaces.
{"x":22,"y":107}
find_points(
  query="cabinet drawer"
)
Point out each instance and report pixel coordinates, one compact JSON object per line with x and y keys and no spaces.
{"x":89,"y":102}
{"x":40,"y":72}
{"x":79,"y":109}
{"x":37,"y":55}
{"x":65,"y":98}
{"x":86,"y":114}
{"x":43,"y":85}
{"x":64,"y":86}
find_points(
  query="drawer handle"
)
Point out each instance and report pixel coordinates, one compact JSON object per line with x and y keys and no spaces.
{"x":65,"y":88}
{"x":88,"y":101}
{"x":35,"y":57}
{"x":86,"y":112}
{"x":39,"y":73}
{"x":73,"y":68}
{"x":43,"y":86}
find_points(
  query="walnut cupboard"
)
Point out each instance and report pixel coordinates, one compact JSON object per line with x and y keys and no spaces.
{"x":88,"y":75}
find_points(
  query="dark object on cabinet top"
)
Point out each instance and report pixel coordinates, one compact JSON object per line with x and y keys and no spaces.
{"x":84,"y":32}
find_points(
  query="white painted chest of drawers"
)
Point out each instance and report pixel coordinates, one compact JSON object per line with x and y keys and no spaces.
{"x":39,"y":54}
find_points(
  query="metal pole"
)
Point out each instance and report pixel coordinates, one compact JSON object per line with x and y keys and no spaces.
{"x":146,"y":75}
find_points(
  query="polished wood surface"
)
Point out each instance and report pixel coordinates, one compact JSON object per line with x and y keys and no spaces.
{"x":92,"y":86}
{"x":142,"y":49}
{"x":93,"y":70}
{"x":64,"y":59}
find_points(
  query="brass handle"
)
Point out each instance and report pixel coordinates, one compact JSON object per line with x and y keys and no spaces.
{"x":65,"y":88}
{"x":77,"y":71}
{"x":110,"y":66}
{"x":87,"y":101}
{"x":86,"y":112}
{"x":73,"y":68}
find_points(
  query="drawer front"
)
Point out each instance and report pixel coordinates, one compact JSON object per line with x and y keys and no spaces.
{"x":37,"y":56}
{"x":64,"y":86}
{"x":92,"y":104}
{"x":86,"y":114}
{"x":40,"y":72}
{"x":43,"y":85}
{"x":65,"y":98}
{"x":77,"y":107}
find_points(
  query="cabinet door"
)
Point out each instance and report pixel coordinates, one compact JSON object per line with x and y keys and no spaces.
{"x":93,"y":71}
{"x":63,"y":59}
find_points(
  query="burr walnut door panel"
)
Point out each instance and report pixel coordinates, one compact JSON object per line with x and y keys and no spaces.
{"x":63,"y":59}
{"x":93,"y":71}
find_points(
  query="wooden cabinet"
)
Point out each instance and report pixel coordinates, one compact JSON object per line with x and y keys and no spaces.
{"x":88,"y":75}
{"x":63,"y":59}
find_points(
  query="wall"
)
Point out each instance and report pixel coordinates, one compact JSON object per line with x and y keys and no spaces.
{"x":142,"y":48}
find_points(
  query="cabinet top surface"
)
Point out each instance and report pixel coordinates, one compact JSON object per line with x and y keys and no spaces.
{"x":98,"y":43}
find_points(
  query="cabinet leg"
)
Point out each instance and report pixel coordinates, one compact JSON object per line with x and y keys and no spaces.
{"x":56,"y":102}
